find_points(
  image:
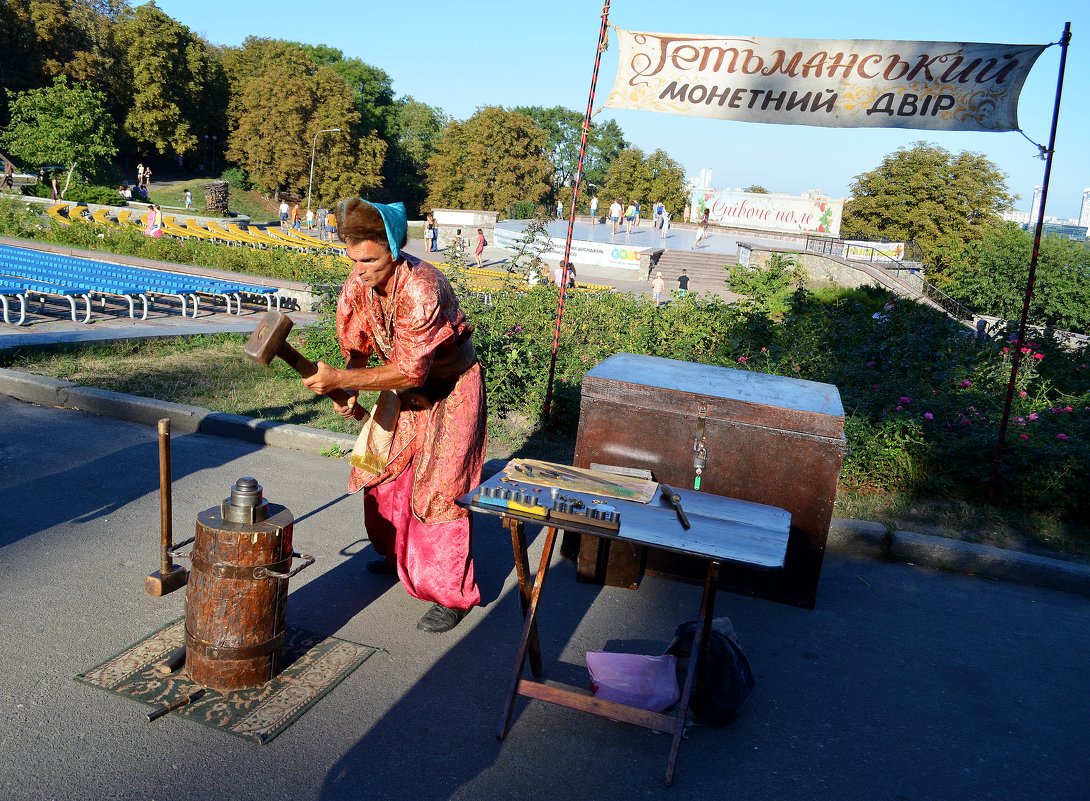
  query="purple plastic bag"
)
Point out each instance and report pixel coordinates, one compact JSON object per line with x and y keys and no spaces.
{"x":647,"y":682}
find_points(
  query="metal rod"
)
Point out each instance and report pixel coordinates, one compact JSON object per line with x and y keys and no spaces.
{"x":166,"y":565}
{"x":313,"y":145}
{"x":1016,"y":351}
{"x":564,"y":264}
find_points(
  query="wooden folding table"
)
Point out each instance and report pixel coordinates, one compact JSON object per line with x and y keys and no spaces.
{"x":722,"y":530}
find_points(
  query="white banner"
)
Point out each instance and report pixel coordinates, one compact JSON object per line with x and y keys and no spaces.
{"x":605,"y":254}
{"x":775,"y":213}
{"x":852,"y":83}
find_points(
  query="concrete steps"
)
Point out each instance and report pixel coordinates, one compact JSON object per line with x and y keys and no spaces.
{"x":707,"y":271}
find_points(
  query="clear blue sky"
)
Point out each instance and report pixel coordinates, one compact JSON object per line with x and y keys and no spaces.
{"x":463,"y":55}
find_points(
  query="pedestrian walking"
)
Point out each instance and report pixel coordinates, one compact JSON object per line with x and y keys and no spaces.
{"x":479,"y":249}
{"x":594,"y":210}
{"x":665,"y":223}
{"x":683,"y":284}
{"x":658,"y":286}
{"x":187,"y":197}
{"x":284,"y":209}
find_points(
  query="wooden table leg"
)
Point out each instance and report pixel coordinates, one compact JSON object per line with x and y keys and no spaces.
{"x":529,"y":631}
{"x":522,"y":571}
{"x":701,"y":637}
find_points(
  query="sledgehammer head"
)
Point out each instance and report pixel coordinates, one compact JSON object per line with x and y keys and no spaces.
{"x":160,"y":583}
{"x":269,"y":336}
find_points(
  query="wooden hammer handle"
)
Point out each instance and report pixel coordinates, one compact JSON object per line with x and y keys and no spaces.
{"x":306,"y":368}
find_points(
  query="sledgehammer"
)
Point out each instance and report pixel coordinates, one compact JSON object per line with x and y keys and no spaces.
{"x":270,"y":339}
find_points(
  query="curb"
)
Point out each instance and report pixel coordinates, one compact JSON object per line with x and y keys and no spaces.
{"x":858,"y":537}
{"x":184,"y":419}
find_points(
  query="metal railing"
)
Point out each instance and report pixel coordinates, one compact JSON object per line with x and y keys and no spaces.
{"x":910,"y":274}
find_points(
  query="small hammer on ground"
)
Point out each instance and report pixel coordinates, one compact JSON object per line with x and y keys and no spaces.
{"x":270,"y":339}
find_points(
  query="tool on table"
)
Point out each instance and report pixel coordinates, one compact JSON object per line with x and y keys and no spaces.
{"x":169,"y":576}
{"x":155,"y":714}
{"x":670,"y":495}
{"x":175,"y":659}
{"x":577,"y":479}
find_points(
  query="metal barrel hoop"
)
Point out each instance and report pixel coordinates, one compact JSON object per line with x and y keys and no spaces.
{"x":265,"y":572}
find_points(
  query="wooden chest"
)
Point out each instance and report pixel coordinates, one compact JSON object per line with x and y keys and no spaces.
{"x":765,"y":438}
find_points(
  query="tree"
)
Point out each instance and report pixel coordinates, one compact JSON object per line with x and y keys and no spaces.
{"x":646,"y":179}
{"x":565,"y":131}
{"x":43,"y":39}
{"x":60,"y":124}
{"x":372,"y":88}
{"x":414,"y":132}
{"x":488,"y":162}
{"x":989,"y":276}
{"x":273,"y":131}
{"x":756,"y":189}
{"x":928,"y":194}
{"x":169,"y":69}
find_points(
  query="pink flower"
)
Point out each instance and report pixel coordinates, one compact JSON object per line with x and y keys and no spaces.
{"x":1022,"y":393}
{"x":1062,"y":437}
{"x":764,"y":350}
{"x":905,"y":400}
{"x":1033,"y":416}
{"x":1024,"y":436}
{"x":965,"y":383}
{"x":1056,"y":410}
{"x":1068,"y":409}
{"x":900,"y":408}
{"x":1038,"y":356}
{"x":741,"y":360}
{"x":928,"y":416}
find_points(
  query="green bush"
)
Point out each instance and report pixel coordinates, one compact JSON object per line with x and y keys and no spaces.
{"x":93,"y":193}
{"x":522,"y":210}
{"x":237,"y":178}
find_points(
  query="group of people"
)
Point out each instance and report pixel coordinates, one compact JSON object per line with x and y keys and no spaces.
{"x":153,"y":225}
{"x":143,"y":178}
{"x":292,"y":218}
{"x":457,"y":243}
{"x":658,"y":286}
{"x":630,"y":215}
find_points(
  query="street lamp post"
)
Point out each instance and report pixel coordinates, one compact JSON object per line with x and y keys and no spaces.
{"x":314,"y":144}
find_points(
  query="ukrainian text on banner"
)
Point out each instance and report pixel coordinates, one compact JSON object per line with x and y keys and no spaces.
{"x":946,"y":86}
{"x":762,"y":212}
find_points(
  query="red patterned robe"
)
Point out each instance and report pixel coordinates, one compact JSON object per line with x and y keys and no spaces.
{"x":437,"y":453}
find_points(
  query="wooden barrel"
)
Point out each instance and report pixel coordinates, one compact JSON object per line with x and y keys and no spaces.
{"x":237,"y":591}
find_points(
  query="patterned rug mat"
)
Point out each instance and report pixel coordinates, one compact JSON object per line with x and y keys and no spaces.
{"x":312,"y":666}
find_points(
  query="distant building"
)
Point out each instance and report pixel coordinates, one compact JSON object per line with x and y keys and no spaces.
{"x":704,"y":178}
{"x":1035,"y":206}
{"x":1020,"y":217}
{"x":1065,"y":228}
{"x":1084,"y":209}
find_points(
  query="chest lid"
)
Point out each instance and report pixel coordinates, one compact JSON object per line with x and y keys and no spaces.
{"x":669,"y":386}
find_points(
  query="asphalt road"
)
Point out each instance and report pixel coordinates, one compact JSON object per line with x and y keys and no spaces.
{"x":903,"y":683}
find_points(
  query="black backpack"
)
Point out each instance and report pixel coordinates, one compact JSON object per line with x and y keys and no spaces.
{"x":723,"y":685}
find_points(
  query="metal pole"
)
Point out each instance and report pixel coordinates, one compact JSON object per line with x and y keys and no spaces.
{"x":313,"y":145}
{"x":547,"y":411}
{"x":1016,"y":351}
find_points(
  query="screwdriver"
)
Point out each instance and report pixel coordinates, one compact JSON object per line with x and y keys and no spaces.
{"x":671,"y":496}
